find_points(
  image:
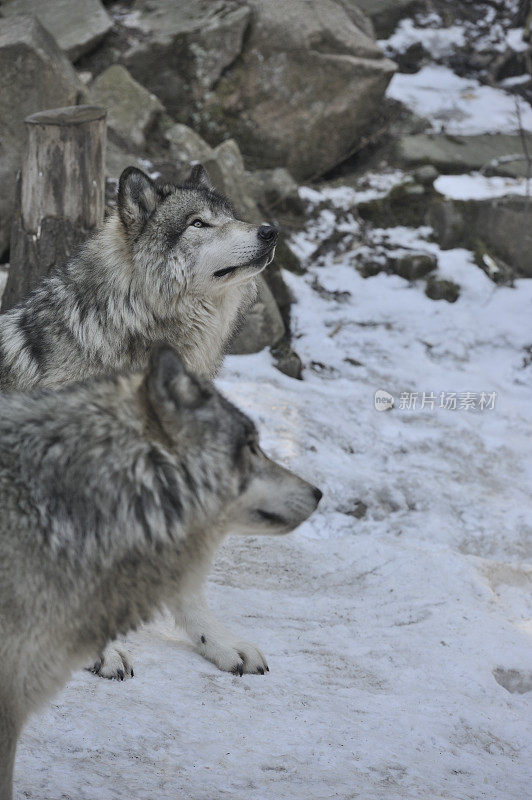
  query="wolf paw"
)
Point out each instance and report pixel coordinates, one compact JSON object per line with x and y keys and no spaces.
{"x":234,"y":656}
{"x":113,"y":664}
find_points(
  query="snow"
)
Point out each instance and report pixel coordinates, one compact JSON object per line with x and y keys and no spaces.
{"x":439,"y":42}
{"x":390,"y":635}
{"x":479,"y":187}
{"x":458,"y":105}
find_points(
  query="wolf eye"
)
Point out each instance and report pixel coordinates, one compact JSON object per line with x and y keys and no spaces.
{"x":198,"y":223}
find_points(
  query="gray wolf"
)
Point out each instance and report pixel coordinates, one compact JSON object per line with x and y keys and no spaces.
{"x":172,"y":264}
{"x":115,"y":494}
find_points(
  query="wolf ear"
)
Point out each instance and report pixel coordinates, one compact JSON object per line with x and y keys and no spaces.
{"x":137,"y":198}
{"x":199,"y":177}
{"x":170,"y":383}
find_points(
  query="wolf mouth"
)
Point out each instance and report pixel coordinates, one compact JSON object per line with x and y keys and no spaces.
{"x":261,"y":262}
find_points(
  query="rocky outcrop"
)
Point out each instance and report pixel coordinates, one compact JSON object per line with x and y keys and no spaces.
{"x":294,"y":89}
{"x":131,"y":109}
{"x":184,"y":48}
{"x":491,"y":153}
{"x":76,"y":26}
{"x":34,"y":75}
{"x":385,"y":14}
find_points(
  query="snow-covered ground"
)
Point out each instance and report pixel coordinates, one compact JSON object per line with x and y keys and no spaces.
{"x":397,"y":620}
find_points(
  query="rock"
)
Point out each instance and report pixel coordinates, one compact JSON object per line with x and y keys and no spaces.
{"x":406,"y":204}
{"x":185,"y":48}
{"x":495,"y":268}
{"x":501,"y":225}
{"x":426,"y":175}
{"x":454,"y":154}
{"x":412,"y":266}
{"x":34,"y":75}
{"x":385,"y":14}
{"x":442,"y":290}
{"x":306,"y":74}
{"x":227,"y":172}
{"x":117,"y":159}
{"x":131,"y":109}
{"x":269,"y":187}
{"x":287,"y":360}
{"x":77,"y":26}
{"x":186,"y":146}
{"x":263,"y":325}
{"x":288,"y":259}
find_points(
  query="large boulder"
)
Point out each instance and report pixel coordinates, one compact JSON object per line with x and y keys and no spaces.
{"x":184,"y":47}
{"x":34,"y":75}
{"x":298,"y":90}
{"x":131,"y":109}
{"x":76,"y":26}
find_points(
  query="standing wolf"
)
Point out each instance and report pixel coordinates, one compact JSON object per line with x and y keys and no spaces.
{"x":115,"y":494}
{"x":172,"y":264}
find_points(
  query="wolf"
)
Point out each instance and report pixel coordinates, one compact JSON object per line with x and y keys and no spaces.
{"x":115,"y":493}
{"x":171,"y":264}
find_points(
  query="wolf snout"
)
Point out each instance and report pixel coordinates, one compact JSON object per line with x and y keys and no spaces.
{"x":268,"y":234}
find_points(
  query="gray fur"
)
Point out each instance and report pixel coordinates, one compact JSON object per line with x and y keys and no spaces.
{"x":149,"y":275}
{"x":115,"y":494}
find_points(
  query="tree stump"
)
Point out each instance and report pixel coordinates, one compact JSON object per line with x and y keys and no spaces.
{"x":60,"y":193}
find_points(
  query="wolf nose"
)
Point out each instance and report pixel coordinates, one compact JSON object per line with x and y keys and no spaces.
{"x":317,"y":494}
{"x":268,"y":233}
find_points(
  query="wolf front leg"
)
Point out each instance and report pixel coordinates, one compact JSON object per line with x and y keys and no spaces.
{"x":113,"y":663}
{"x":213,"y":640}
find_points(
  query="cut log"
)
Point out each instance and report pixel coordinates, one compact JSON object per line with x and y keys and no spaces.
{"x":60,"y":193}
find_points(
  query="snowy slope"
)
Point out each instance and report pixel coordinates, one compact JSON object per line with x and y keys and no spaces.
{"x":391,"y":634}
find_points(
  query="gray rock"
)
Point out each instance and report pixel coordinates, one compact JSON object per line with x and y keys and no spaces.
{"x":76,"y":26}
{"x":305,"y":74}
{"x":412,"y":266}
{"x":34,"y":75}
{"x":442,"y":290}
{"x":425,"y":175}
{"x":186,"y":146}
{"x":269,"y":187}
{"x":263,"y":326}
{"x":226,"y":169}
{"x":287,"y":360}
{"x":501,"y":225}
{"x":385,"y":14}
{"x":308,"y":75}
{"x":465,"y":153}
{"x":186,"y":48}
{"x":131,"y":109}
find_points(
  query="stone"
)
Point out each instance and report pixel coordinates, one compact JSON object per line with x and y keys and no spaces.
{"x":457,"y":154}
{"x":34,"y":75}
{"x":186,"y":146}
{"x":500,"y":225}
{"x":185,"y":47}
{"x":227,"y":172}
{"x":131,"y":110}
{"x":287,"y":360}
{"x":425,"y":175}
{"x":406,"y":204}
{"x":385,"y":14}
{"x":76,"y":26}
{"x":442,"y":290}
{"x":412,"y":266}
{"x":308,"y":75}
{"x":269,"y":187}
{"x":263,"y":325}
{"x":269,"y":79}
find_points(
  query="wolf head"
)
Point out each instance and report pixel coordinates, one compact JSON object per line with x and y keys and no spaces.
{"x":201,"y":247}
{"x":188,"y":414}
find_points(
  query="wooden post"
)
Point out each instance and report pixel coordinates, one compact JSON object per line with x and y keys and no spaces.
{"x":60,"y":193}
